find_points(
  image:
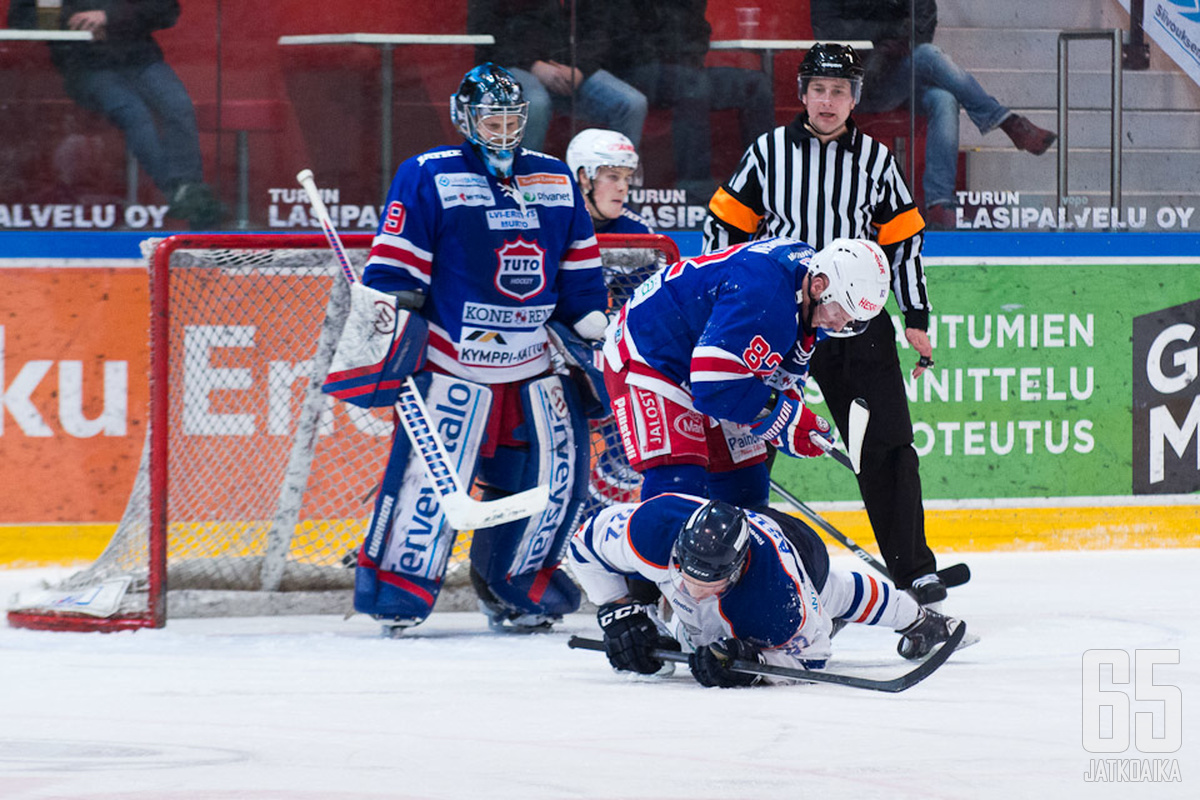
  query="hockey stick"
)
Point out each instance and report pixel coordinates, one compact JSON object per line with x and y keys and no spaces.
{"x":953,"y":575}
{"x":462,"y":511}
{"x":897,"y":684}
{"x":860,"y":415}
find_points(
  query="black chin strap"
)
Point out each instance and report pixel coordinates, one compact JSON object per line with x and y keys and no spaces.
{"x":591,"y":198}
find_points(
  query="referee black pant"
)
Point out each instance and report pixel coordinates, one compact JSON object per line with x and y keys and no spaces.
{"x":867,"y":366}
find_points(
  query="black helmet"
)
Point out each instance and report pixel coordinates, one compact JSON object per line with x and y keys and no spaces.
{"x":713,"y":543}
{"x":490,"y":90}
{"x":831,"y":61}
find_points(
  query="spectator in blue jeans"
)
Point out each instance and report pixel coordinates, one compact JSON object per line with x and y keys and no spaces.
{"x":660,"y":49}
{"x":122,"y":75}
{"x":902,"y":46}
{"x":533,"y":42}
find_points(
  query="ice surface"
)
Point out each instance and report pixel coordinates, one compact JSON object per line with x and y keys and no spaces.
{"x":321,"y":707}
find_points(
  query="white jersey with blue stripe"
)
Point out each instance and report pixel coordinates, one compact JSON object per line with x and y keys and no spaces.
{"x":708,"y":332}
{"x":773,"y":605}
{"x":495,"y":260}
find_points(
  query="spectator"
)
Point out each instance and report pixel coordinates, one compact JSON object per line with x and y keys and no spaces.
{"x":941,"y":86}
{"x":533,"y":41}
{"x":661,"y":51}
{"x":123,"y":76}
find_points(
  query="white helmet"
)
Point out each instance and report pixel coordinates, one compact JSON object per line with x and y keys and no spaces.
{"x":595,"y":147}
{"x":859,"y":280}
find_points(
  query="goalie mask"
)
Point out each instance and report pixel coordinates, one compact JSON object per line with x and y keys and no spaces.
{"x":832,"y":61}
{"x":859,"y":280}
{"x":490,"y":110}
{"x":713,"y":544}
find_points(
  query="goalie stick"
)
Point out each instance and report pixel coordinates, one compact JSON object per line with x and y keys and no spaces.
{"x":898,"y":684}
{"x":462,"y":511}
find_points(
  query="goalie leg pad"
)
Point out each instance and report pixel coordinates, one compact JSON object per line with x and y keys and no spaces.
{"x":518,"y":562}
{"x":408,"y":543}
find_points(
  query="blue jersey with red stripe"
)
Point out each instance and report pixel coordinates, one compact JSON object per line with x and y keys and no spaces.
{"x":495,"y":259}
{"x":707,"y":332}
{"x":627,"y":222}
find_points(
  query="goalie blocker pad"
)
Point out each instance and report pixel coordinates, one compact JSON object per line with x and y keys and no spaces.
{"x":380,"y":346}
{"x":515,"y":566}
{"x":408,"y":544}
{"x":584,"y":361}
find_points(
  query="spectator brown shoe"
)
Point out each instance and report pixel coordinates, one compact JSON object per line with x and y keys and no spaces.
{"x":1027,"y":136}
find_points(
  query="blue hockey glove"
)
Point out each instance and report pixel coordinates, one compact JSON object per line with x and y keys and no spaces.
{"x":630,"y":635}
{"x":710,"y":665}
{"x":788,"y":425}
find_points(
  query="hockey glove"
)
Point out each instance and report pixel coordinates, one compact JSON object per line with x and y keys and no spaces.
{"x":710,"y":665}
{"x":788,"y":425}
{"x":792,"y":372}
{"x":630,"y":635}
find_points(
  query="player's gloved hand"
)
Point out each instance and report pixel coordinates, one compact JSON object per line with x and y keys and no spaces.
{"x":792,"y":372}
{"x":630,"y":635}
{"x":788,"y":426}
{"x":710,"y":665}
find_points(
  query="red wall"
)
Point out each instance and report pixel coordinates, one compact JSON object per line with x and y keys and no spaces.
{"x":329,"y":96}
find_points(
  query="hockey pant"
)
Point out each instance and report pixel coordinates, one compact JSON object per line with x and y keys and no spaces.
{"x":408,"y":544}
{"x":515,"y":566}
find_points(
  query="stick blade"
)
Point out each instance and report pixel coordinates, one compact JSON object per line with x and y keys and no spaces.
{"x":860,"y":415}
{"x":465,"y":513}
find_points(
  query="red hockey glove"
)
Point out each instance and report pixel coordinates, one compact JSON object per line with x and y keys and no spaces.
{"x":787,"y":427}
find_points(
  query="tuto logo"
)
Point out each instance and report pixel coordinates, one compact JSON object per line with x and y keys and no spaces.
{"x":520,"y":269}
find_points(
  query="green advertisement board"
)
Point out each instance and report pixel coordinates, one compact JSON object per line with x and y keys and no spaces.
{"x":1032,"y":392}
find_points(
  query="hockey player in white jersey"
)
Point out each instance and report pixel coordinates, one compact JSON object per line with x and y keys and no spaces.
{"x":706,"y":361}
{"x":488,"y":243}
{"x":742,"y":585}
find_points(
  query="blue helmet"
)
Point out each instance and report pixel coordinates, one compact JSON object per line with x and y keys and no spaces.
{"x":713,"y":543}
{"x":482,"y":109}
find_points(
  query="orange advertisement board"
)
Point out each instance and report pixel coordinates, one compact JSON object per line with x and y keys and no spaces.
{"x":74,"y":365}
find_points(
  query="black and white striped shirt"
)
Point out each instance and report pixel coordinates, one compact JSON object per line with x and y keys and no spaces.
{"x":790,"y":184}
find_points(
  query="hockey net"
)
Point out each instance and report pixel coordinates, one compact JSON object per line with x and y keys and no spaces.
{"x":254,"y":489}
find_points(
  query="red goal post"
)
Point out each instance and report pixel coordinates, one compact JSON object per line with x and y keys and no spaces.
{"x":254,"y":489}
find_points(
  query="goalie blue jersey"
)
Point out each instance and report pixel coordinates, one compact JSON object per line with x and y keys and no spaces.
{"x":495,"y":260}
{"x":708,"y":332}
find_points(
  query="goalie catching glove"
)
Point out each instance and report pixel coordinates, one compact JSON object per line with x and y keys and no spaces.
{"x":630,"y":636}
{"x":788,"y":425}
{"x":711,"y":665}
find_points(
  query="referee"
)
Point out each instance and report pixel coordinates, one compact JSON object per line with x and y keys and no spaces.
{"x":816,"y":179}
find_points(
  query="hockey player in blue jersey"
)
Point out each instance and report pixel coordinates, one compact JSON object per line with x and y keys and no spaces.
{"x":487,"y":242}
{"x":705,"y":363}
{"x":605,"y":163}
{"x":754,"y":586}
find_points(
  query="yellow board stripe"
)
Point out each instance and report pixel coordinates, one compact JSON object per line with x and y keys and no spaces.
{"x":948,"y":531}
{"x":1016,"y":529}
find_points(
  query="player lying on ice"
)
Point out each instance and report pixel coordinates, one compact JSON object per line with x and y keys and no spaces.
{"x":741,"y":585}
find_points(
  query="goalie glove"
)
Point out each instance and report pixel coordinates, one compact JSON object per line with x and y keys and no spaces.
{"x":630,"y":635}
{"x":788,"y":425}
{"x":710,"y":665}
